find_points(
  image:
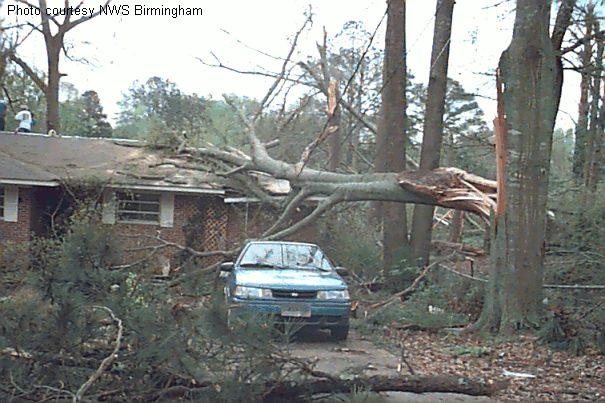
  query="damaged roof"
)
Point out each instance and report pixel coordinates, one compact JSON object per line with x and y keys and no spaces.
{"x":42,"y":160}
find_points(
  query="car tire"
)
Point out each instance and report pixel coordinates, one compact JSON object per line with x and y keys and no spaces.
{"x":339,"y":333}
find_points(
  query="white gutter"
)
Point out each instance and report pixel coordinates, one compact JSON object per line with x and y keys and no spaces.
{"x":20,"y":182}
{"x":169,"y":189}
{"x":28,"y":183}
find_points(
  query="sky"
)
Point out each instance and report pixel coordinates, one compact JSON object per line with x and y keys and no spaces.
{"x":122,"y":49}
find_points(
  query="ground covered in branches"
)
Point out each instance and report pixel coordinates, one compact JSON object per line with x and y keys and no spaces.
{"x":541,"y":373}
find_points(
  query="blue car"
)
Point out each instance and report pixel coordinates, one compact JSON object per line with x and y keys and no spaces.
{"x":289,"y":281}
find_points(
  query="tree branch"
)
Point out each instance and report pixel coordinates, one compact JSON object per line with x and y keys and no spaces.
{"x":29,"y":71}
{"x":106,"y":363}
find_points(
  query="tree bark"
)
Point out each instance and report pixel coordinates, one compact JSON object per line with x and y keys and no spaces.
{"x":380,"y":383}
{"x":530,"y":72}
{"x":594,"y":138}
{"x":391,"y":139}
{"x":457,"y":226}
{"x":433,"y":124}
{"x":579,"y":155}
{"x":54,"y":46}
{"x":53,"y":49}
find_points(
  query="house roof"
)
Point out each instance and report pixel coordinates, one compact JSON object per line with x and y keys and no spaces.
{"x":36,"y":159}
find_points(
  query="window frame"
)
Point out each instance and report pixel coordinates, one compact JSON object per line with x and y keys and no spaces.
{"x":129,"y":197}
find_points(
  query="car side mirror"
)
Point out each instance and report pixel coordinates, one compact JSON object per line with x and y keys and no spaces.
{"x":227,"y":266}
{"x":342,"y":271}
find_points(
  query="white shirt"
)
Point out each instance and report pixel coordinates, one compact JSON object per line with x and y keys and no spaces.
{"x":25,"y":120}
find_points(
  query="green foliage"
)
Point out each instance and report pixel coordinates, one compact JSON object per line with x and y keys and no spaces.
{"x":360,"y":254}
{"x":20,"y":89}
{"x":82,"y":115}
{"x":159,"y":112}
{"x":53,"y":333}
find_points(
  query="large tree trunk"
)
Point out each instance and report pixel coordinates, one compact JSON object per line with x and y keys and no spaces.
{"x":579,"y":155}
{"x":530,"y":73}
{"x":390,"y":153}
{"x":378,"y":383}
{"x":53,"y":48}
{"x":594,"y":138}
{"x":433,"y":124}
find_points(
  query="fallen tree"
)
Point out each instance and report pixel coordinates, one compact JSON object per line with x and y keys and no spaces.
{"x":381,"y":383}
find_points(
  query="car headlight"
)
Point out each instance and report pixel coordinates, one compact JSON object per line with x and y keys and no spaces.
{"x":251,"y":292}
{"x":340,"y":294}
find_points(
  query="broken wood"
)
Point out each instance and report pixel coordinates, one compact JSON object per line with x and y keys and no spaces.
{"x":380,"y":383}
{"x":500,"y":134}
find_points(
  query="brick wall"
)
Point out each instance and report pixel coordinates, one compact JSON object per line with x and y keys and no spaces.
{"x":19,"y":231}
{"x":203,"y":223}
{"x":199,"y":222}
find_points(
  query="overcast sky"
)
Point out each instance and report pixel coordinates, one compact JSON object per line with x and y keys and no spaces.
{"x":123,"y":49}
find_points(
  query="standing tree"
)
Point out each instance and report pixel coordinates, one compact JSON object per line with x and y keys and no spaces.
{"x":582,"y":123}
{"x":391,"y":137}
{"x":532,"y":90}
{"x":433,"y":124}
{"x":82,"y":115}
{"x":98,"y":126}
{"x":54,"y":32}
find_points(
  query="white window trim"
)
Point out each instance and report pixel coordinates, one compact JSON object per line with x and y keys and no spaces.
{"x":165,"y":213}
{"x":11,"y":203}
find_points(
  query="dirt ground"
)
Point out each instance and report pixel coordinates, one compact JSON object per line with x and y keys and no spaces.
{"x":358,"y":355}
{"x":533,"y":371}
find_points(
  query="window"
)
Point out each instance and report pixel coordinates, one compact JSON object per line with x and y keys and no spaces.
{"x":1,"y":203}
{"x":299,"y":256}
{"x":141,"y":208}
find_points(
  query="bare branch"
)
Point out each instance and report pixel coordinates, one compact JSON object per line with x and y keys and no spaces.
{"x":324,"y":206}
{"x":29,"y":71}
{"x":409,"y":290}
{"x":106,"y":363}
{"x":288,"y":212}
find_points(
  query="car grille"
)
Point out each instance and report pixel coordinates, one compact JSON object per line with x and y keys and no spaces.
{"x":294,"y":294}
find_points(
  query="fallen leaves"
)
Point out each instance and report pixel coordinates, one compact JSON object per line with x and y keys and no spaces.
{"x":538,"y":373}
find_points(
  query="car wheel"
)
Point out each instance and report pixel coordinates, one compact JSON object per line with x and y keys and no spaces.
{"x":339,"y":333}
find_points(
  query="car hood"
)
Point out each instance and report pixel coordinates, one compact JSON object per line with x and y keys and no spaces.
{"x":290,"y":279}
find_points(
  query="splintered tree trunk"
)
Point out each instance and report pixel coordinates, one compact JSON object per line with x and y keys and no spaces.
{"x":433,"y":124}
{"x":334,"y":141}
{"x":390,"y":153}
{"x":530,"y":75}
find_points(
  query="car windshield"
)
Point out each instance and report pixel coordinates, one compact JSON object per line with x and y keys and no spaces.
{"x":275,"y":255}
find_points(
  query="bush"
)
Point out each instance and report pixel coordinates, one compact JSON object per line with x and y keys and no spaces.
{"x":55,"y":330}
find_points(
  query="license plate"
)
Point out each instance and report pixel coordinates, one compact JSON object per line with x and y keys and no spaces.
{"x":296,"y":310}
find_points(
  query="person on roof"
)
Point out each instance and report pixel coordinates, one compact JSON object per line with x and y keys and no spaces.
{"x":25,"y":119}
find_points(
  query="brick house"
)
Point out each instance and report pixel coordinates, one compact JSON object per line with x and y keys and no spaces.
{"x":143,"y":193}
